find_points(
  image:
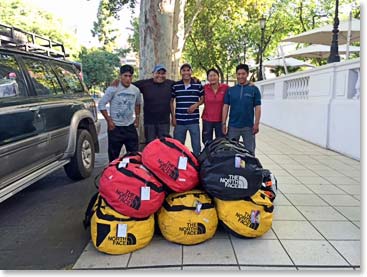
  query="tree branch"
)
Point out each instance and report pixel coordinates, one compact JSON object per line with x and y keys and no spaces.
{"x":197,"y":52}
{"x":301,"y":16}
{"x":198,"y":8}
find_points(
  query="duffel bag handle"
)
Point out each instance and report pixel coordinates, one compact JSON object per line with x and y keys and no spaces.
{"x":133,"y":175}
{"x":178,"y":208}
{"x":174,"y":146}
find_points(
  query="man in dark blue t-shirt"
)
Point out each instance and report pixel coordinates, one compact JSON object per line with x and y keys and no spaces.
{"x":188,"y":95}
{"x":245,"y":103}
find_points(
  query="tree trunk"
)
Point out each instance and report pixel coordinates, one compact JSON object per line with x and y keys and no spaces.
{"x":155,"y":31}
{"x":179,"y":37}
{"x":221,"y":74}
{"x":161,"y":31}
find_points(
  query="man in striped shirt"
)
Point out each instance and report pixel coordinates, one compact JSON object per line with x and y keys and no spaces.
{"x":188,"y":96}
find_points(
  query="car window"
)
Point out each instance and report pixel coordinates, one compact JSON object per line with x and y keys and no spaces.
{"x":43,"y":78}
{"x":69,"y":79}
{"x":11,"y":80}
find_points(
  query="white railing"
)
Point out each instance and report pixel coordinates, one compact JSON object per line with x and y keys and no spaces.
{"x":296,"y":88}
{"x":320,"y":105}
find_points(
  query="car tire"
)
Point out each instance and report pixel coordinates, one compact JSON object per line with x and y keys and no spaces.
{"x":82,"y":163}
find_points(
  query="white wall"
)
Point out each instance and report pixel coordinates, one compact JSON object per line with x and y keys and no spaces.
{"x":320,"y":105}
{"x":306,"y":120}
{"x":345,"y":122}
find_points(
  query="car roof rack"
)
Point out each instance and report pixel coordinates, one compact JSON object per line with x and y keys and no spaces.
{"x":13,"y":37}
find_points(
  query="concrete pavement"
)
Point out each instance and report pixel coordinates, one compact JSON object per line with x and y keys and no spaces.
{"x":316,"y":223}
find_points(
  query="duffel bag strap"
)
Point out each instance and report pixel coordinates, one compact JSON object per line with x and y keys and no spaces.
{"x":266,"y":208}
{"x":96,"y":180}
{"x":174,"y":146}
{"x":133,"y":175}
{"x":89,"y":211}
{"x":131,"y":154}
{"x":110,"y":217}
{"x":179,"y":208}
{"x":185,"y":194}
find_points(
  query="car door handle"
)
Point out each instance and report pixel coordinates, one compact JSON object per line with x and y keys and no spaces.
{"x":36,"y":111}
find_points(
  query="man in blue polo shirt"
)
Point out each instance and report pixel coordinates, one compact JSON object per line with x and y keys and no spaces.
{"x":245,"y":103}
{"x":188,"y":96}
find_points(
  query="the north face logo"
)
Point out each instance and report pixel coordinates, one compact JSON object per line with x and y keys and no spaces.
{"x":250,"y":220}
{"x":168,"y":168}
{"x":103,"y":231}
{"x":128,"y":198}
{"x":193,"y":228}
{"x":130,"y":239}
{"x":235,"y":182}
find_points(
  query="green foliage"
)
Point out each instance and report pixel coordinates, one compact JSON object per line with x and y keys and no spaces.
{"x":29,"y":18}
{"x":217,"y":36}
{"x":114,"y":6}
{"x":279,"y":70}
{"x":100,"y":67}
{"x":133,"y":39}
{"x":103,"y":27}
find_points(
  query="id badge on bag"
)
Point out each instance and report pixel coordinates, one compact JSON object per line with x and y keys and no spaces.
{"x":182,"y":163}
{"x":145,"y":193}
{"x":198,"y":206}
{"x":121,"y":230}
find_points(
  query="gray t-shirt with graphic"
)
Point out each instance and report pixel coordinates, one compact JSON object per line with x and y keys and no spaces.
{"x":122,"y":103}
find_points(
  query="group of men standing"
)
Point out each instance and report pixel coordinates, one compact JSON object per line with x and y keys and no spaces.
{"x":168,"y":102}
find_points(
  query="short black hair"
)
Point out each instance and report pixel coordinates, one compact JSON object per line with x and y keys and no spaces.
{"x":212,"y":70}
{"x":242,"y":66}
{"x":126,"y":68}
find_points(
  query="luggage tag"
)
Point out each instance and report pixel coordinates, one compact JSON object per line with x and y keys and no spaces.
{"x":182,"y":163}
{"x":121,"y":230}
{"x":198,"y":205}
{"x":255,"y":216}
{"x":124,"y":162}
{"x":145,"y":193}
{"x":237,"y":162}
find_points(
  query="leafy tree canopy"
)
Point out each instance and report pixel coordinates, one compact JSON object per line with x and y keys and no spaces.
{"x":224,"y":30}
{"x":32,"y":19}
{"x":100,"y":67}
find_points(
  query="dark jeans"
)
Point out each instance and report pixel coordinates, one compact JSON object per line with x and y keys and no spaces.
{"x":119,"y":136}
{"x":247,"y":136}
{"x":153,"y":131}
{"x":208,"y":128}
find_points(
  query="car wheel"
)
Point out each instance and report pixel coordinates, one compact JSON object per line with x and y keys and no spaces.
{"x":82,"y":163}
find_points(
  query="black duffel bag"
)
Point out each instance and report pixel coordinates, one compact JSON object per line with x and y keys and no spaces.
{"x":229,"y":171}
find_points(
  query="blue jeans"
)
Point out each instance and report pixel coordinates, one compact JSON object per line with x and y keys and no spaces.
{"x":208,"y":128}
{"x":194,"y":130}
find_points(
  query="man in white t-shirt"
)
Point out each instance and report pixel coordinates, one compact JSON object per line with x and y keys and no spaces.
{"x":125,"y":101}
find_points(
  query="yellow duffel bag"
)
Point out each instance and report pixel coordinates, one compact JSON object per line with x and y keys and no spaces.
{"x":188,"y":217}
{"x":114,"y":233}
{"x":250,"y":218}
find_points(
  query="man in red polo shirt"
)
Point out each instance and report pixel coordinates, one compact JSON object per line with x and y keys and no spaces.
{"x":213,"y":104}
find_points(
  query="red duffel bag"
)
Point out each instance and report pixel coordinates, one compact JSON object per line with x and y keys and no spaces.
{"x":131,"y":189}
{"x":172,"y":163}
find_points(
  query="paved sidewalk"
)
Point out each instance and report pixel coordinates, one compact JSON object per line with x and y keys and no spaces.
{"x":316,"y":220}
